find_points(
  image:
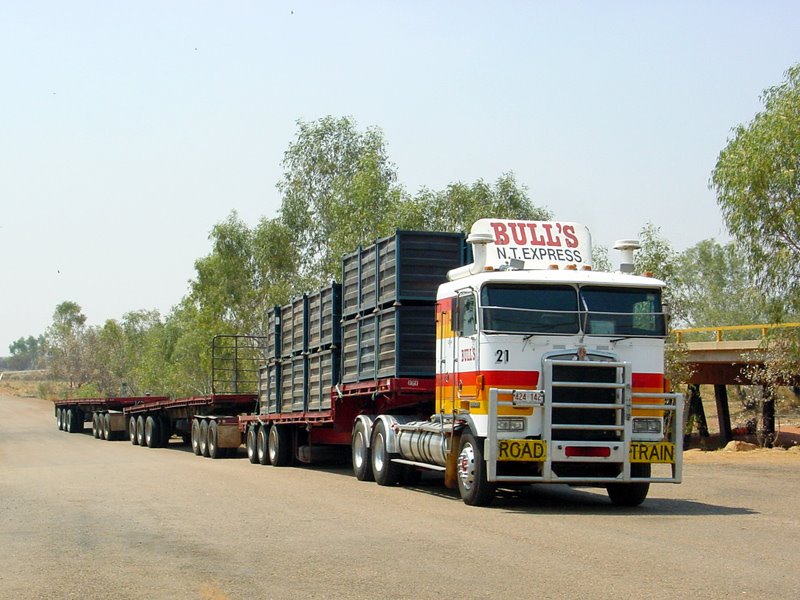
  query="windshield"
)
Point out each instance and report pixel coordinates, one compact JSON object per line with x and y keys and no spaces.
{"x":564,"y":309}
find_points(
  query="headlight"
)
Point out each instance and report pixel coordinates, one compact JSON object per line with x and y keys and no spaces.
{"x":510,"y":424}
{"x":646,"y":425}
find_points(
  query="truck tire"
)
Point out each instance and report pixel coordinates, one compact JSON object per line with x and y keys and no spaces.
{"x":132,"y":431}
{"x":140,"y":431}
{"x":96,"y":429}
{"x":385,"y":471}
{"x":475,"y":490}
{"x":262,"y":442}
{"x":107,"y":433}
{"x":196,"y":436}
{"x":630,"y":494}
{"x":252,"y":449}
{"x":152,"y":432}
{"x":204,"y":438}
{"x":362,"y":458}
{"x":59,"y":419}
{"x":68,"y":420}
{"x":280,"y":446}
{"x":211,"y":440}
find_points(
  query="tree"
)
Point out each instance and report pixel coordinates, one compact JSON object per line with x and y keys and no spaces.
{"x":65,"y":350}
{"x":338,"y":189}
{"x":757,"y":182}
{"x":714,"y":284}
{"x":459,"y":205}
{"x":26,"y":353}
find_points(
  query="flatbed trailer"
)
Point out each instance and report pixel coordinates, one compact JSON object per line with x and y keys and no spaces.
{"x":210,"y":423}
{"x":278,"y":438}
{"x":106,"y":414}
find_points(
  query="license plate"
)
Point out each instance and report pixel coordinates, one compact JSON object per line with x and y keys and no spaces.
{"x":521,"y":450}
{"x":527,"y":397}
{"x":644,"y":452}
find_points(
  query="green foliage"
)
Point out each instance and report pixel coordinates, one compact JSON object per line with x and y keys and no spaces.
{"x":338,"y":189}
{"x":600,"y":260}
{"x":757,"y":182}
{"x":26,"y":353}
{"x":459,"y":205}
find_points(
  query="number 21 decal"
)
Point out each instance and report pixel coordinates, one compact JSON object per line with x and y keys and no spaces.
{"x":502,"y":356}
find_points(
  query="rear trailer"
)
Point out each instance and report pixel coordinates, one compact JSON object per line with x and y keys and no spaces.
{"x":209,"y":423}
{"x":105,"y":414}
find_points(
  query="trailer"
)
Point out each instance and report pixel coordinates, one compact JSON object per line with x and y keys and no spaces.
{"x":501,"y":359}
{"x":106,"y":414}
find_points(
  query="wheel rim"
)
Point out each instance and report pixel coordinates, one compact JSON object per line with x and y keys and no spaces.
{"x":107,"y":426}
{"x":466,"y":467}
{"x":379,"y":452}
{"x":196,"y":436}
{"x":148,"y":432}
{"x":132,"y":429}
{"x":251,"y":444}
{"x":359,"y":449}
{"x":272,"y":444}
{"x":261,"y":444}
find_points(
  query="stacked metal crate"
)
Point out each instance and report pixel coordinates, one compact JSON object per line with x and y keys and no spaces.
{"x":303,"y":353}
{"x":388,"y":304}
{"x":324,"y":345}
{"x":270,"y":373}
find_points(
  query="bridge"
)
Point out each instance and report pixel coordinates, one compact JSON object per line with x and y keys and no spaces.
{"x":722,"y":356}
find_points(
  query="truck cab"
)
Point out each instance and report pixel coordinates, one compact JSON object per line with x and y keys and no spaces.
{"x":551,"y":371}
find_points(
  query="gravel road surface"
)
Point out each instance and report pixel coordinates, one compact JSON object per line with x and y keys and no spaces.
{"x":83,"y":518}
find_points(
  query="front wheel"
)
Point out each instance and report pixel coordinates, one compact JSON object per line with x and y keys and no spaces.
{"x":473,"y":486}
{"x":362,"y":459}
{"x":630,"y":494}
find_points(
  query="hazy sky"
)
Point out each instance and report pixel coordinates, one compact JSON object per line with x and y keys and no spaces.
{"x":128,"y":129}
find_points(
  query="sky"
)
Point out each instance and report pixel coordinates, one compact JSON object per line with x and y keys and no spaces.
{"x":128,"y":129}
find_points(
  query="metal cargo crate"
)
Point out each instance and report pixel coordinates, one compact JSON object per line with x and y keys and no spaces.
{"x":324,"y":315}
{"x":269,"y":389}
{"x":274,"y":333}
{"x":412,"y":264}
{"x":293,"y":381}
{"x":399,"y":341}
{"x":294,"y":327}
{"x":350,"y":351}
{"x":323,"y":374}
{"x":360,"y":281}
{"x":406,"y":342}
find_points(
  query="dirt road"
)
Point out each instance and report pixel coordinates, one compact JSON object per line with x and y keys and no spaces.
{"x":82,"y":518}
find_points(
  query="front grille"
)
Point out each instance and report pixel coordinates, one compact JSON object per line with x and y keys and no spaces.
{"x":587,"y":395}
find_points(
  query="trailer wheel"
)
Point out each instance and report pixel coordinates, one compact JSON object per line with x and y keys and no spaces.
{"x":196,"y":436}
{"x":69,"y":417}
{"x":107,"y":433}
{"x":630,"y":494}
{"x":472,"y":484}
{"x":152,"y":432}
{"x":385,"y":471}
{"x":204,"y":438}
{"x":59,"y":419}
{"x":140,"y":431}
{"x":262,"y":452}
{"x":95,"y":427}
{"x":132,"y":431}
{"x":211,"y":440}
{"x":251,"y":443}
{"x":362,"y":460}
{"x":280,"y":446}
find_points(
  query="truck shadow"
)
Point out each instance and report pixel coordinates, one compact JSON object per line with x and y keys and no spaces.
{"x":562,"y":499}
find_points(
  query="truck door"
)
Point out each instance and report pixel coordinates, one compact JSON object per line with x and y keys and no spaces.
{"x":466,"y":355}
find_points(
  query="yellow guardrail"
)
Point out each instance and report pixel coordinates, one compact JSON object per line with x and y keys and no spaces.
{"x":719,"y":332}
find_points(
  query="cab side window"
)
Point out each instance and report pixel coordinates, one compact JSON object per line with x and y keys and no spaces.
{"x":469,"y":324}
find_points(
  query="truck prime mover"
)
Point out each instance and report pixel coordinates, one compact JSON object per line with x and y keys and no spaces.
{"x":499,"y":362}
